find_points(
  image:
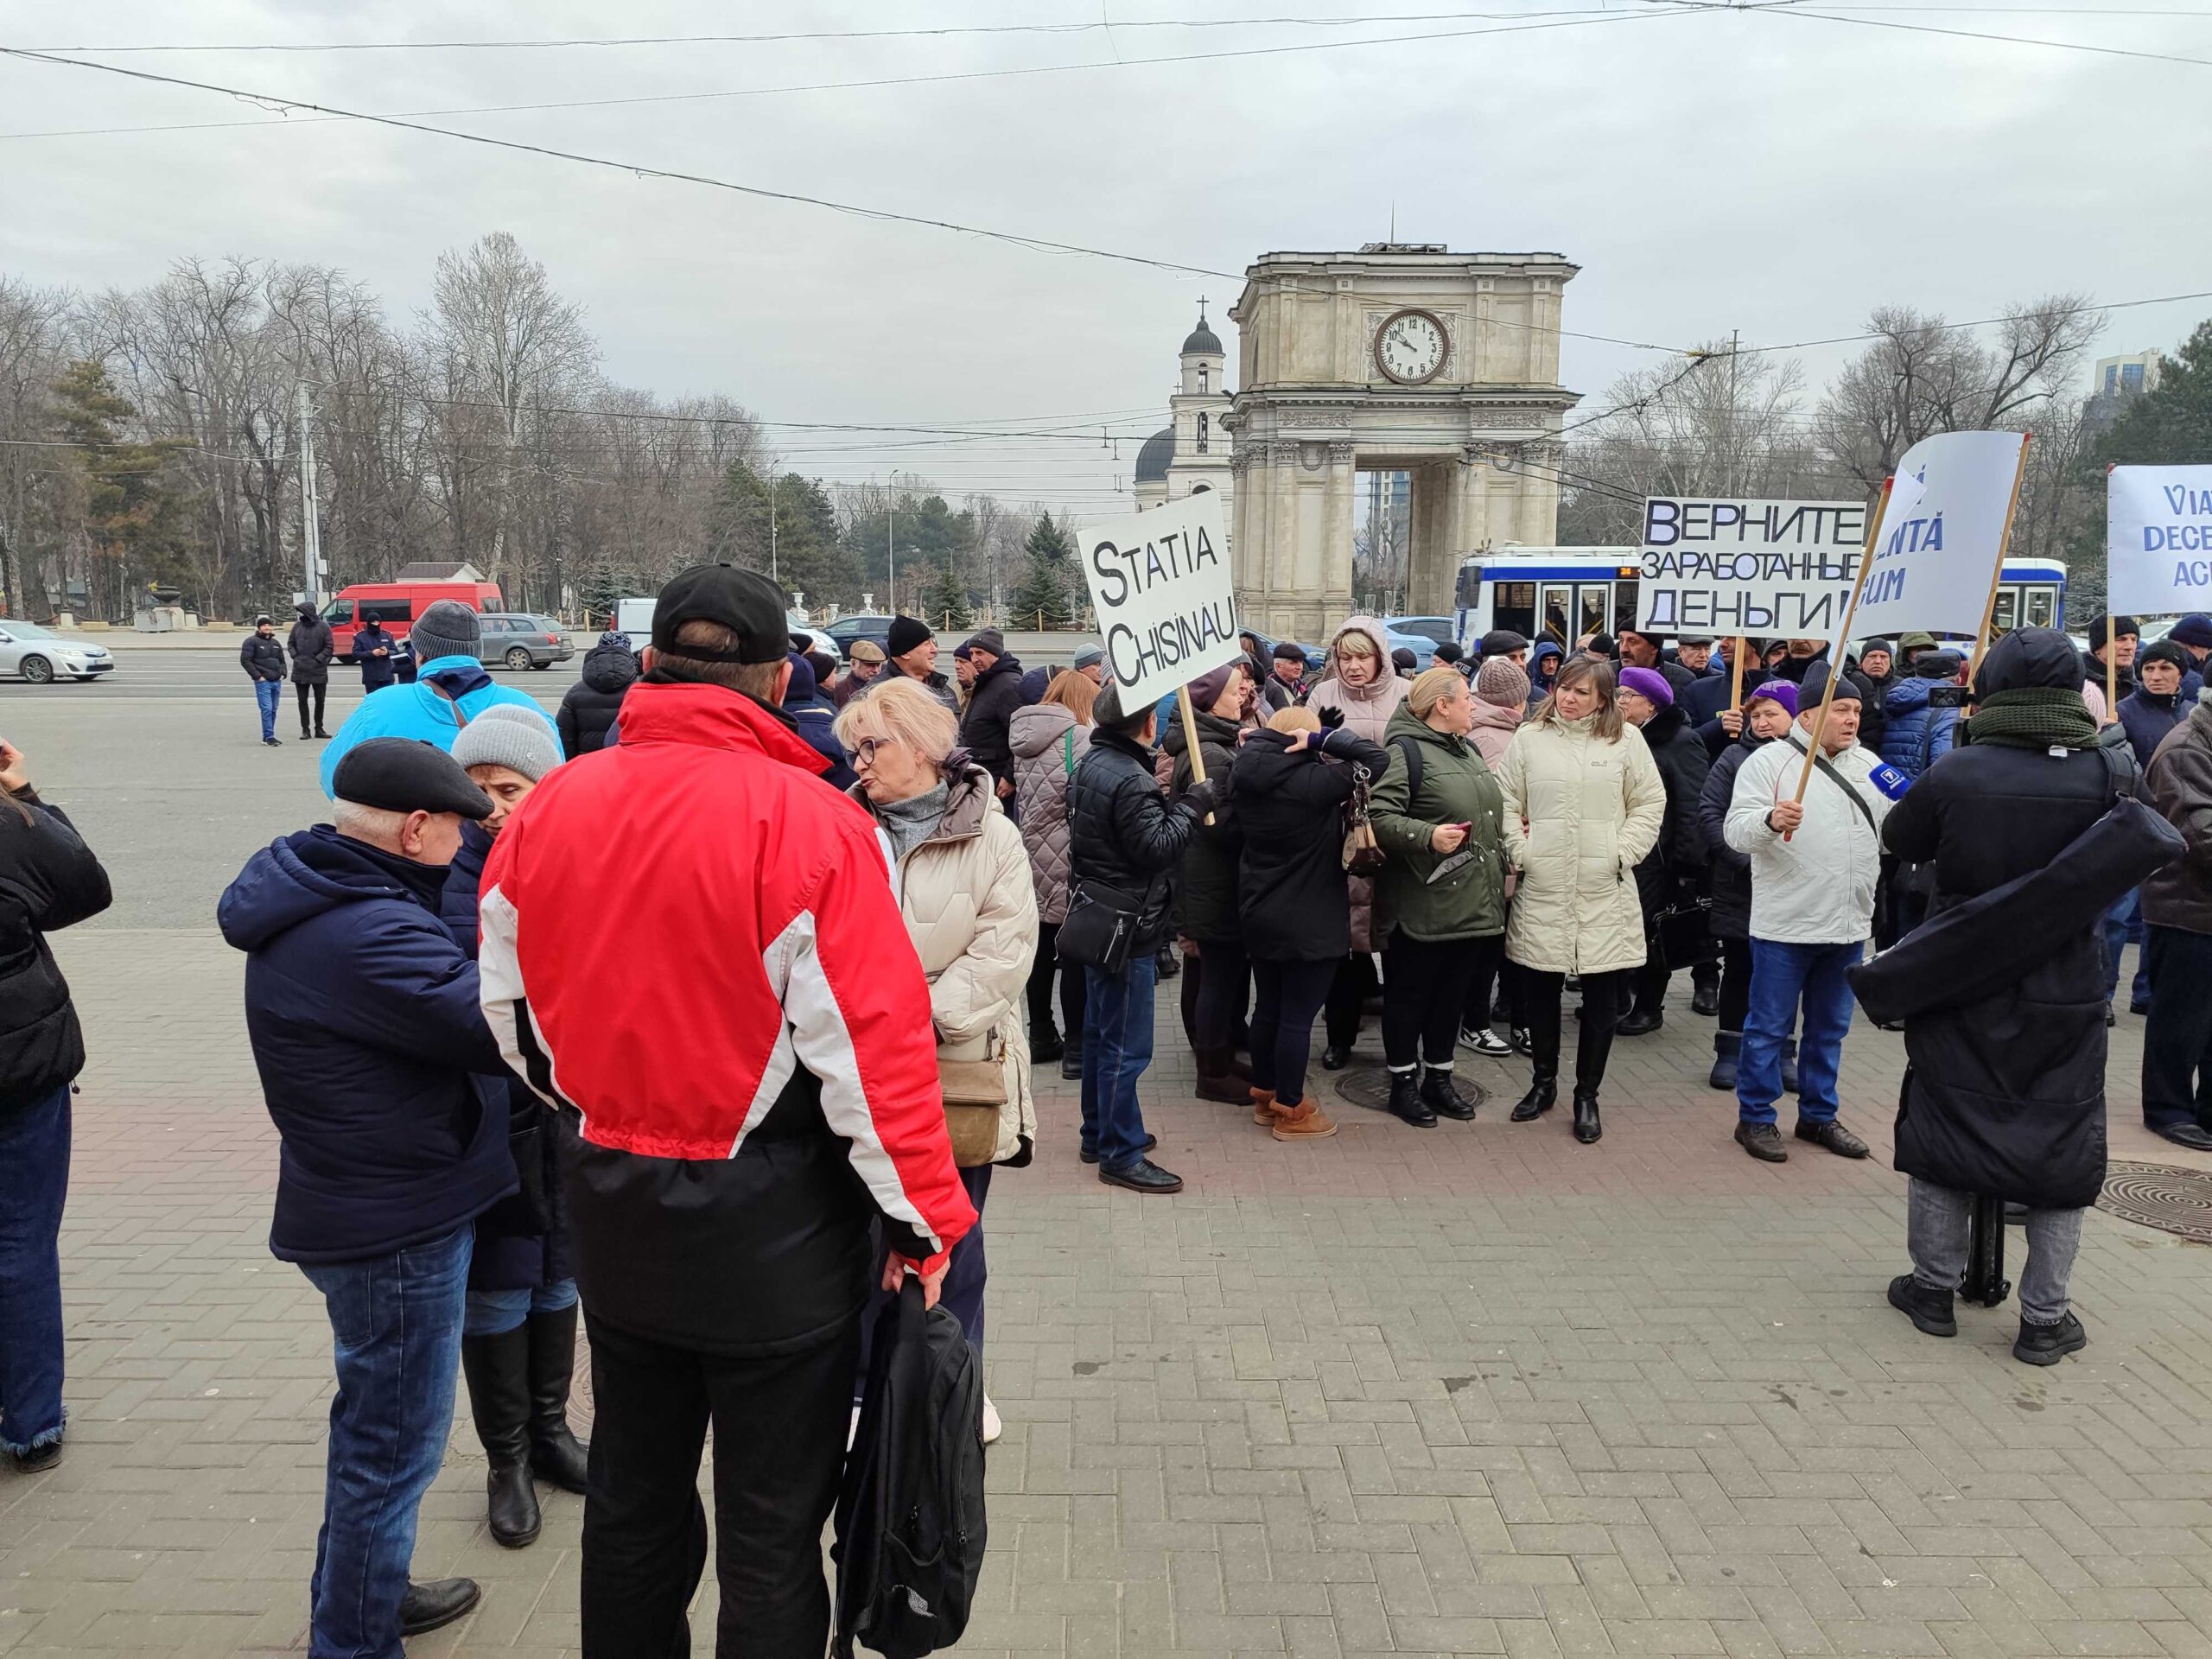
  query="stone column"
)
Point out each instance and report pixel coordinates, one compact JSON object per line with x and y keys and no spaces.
{"x":1339,"y":518}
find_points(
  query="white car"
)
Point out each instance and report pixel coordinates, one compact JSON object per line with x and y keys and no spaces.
{"x":41,"y":656}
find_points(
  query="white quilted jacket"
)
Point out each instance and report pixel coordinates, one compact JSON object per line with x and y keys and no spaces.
{"x":1580,"y":813}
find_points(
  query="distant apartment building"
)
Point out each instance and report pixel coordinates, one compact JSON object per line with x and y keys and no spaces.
{"x":2117,"y":379}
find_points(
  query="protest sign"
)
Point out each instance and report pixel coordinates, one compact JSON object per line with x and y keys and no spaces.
{"x":1943,"y":538}
{"x":1159,"y":581}
{"x":1725,"y":566}
{"x":2158,"y":539}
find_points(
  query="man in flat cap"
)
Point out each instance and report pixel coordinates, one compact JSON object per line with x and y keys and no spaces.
{"x":365,"y":1022}
{"x":863,"y":665}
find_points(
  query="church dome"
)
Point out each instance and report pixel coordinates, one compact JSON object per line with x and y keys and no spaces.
{"x":1203,"y":339}
{"x":1153,"y":460}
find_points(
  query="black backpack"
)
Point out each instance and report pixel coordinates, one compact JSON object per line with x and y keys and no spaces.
{"x":910,"y":1512}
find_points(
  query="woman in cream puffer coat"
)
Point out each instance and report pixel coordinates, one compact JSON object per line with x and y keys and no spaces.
{"x":1583,"y":803}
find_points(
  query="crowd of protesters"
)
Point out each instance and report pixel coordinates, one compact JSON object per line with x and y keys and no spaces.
{"x":894,"y":891}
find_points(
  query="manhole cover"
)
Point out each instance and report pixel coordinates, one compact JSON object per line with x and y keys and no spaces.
{"x":2165,"y":1196}
{"x":1369,"y":1086}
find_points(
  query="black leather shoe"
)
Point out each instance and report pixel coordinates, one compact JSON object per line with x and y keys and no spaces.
{"x":1336,"y":1057}
{"x":1727,"y":1053}
{"x":498,"y":1370}
{"x":2184,"y":1135}
{"x":319,"y":732}
{"x":434,"y":1606}
{"x":1832,"y":1135}
{"x":1640,"y":1022}
{"x":38,"y":1459}
{"x":1929,"y":1310}
{"x":1543,"y":1094}
{"x":1043,"y":1050}
{"x":1142,"y":1176}
{"x":1441,"y":1097}
{"x":1705,"y":1000}
{"x":1090,"y":1155}
{"x":1763,"y":1141}
{"x":1071,"y":1065}
{"x":1406,"y":1104}
{"x":1168,"y":964}
{"x":556,"y":1456}
{"x":1587,"y":1125}
{"x":2111,"y":1018}
{"x":2046,"y":1345}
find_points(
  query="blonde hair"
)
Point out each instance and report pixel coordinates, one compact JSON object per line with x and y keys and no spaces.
{"x":1433,"y":686}
{"x":1076,"y":692}
{"x":1600,"y":673}
{"x":900,"y":711}
{"x":1294,"y":720}
{"x":1353,"y":642}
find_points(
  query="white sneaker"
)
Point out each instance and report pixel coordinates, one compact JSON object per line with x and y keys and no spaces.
{"x":992,"y":1427}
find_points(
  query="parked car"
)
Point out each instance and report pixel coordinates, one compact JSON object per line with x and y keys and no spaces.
{"x":39,"y":655}
{"x":876,"y":629}
{"x":1419,"y":634}
{"x":520,"y":640}
{"x":399,"y":603}
{"x":1317,"y":657}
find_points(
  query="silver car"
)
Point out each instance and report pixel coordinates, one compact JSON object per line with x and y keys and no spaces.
{"x":41,"y":656}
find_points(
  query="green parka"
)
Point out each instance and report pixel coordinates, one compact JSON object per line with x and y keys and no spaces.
{"x":1456,"y":787}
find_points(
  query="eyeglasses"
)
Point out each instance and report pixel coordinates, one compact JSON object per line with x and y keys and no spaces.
{"x":864,"y":752}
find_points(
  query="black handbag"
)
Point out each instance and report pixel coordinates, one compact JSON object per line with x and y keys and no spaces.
{"x":1101,"y":929}
{"x":1681,"y":932}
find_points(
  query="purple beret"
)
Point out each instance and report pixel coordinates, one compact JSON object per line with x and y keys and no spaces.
{"x":1781,"y":691}
{"x":1651,"y":682}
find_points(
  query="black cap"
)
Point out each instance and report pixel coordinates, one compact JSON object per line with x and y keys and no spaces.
{"x":405,"y":774}
{"x":1289,"y":650}
{"x":744,"y":601}
{"x":1704,"y":639}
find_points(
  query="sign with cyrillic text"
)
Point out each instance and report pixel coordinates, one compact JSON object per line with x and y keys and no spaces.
{"x":1778,"y":569}
{"x":2158,"y":539}
{"x":1160,"y":582}
{"x":1942,"y":536}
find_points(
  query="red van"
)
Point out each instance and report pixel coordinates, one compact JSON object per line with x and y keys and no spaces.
{"x":399,"y":603}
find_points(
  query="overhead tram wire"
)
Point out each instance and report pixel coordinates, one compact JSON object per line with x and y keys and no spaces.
{"x":1982,"y":35}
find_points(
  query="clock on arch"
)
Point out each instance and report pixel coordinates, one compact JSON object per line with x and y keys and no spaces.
{"x":1412,"y":346}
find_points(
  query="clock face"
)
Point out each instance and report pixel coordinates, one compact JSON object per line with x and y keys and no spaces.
{"x":1410,"y":346}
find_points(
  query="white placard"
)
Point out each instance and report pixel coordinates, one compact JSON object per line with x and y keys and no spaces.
{"x":1160,"y":584}
{"x":1942,"y":536}
{"x":2158,"y":539}
{"x":1774,"y":568}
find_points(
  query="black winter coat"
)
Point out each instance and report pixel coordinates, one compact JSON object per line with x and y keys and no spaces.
{"x":1293,"y":897}
{"x":312,"y":645}
{"x":2004,"y":1095}
{"x":1703,"y":702}
{"x":983,"y":728}
{"x":48,"y":879}
{"x":1123,"y":835}
{"x":1679,"y":853}
{"x":376,"y":672}
{"x":1729,"y":871}
{"x":2147,"y":718}
{"x":589,"y":707}
{"x":1205,"y":897}
{"x":262,"y":659}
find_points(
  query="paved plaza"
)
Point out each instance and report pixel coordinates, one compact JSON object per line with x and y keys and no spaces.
{"x":1473,"y":1389}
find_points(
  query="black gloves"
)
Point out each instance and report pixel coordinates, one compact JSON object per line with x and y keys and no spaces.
{"x":1331,"y":718}
{"x":1204,"y":796}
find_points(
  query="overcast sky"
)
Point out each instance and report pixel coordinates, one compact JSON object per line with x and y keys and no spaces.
{"x":1776,"y":173}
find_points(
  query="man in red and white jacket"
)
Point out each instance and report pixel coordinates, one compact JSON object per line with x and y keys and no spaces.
{"x":690,"y":944}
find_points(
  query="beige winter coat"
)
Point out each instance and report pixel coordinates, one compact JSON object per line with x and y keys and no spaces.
{"x":972,"y":914}
{"x":1579,"y":813}
{"x":1367,"y":710}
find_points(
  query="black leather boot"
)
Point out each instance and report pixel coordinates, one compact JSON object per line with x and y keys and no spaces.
{"x":1543,"y":1064}
{"x":1588,"y":1129}
{"x":555,"y":1455}
{"x":1406,"y":1103}
{"x":1441,"y":1097}
{"x":498,"y":1370}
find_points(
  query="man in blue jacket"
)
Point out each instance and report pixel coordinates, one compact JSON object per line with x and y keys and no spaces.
{"x":450,"y":689}
{"x":364,"y":1015}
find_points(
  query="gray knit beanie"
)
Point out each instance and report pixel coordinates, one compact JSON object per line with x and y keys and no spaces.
{"x":447,"y":628}
{"x":1502,"y":681}
{"x":508,"y":735}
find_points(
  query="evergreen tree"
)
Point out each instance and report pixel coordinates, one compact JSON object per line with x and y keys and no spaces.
{"x":129,"y":511}
{"x":944,"y":601}
{"x":1041,"y":599}
{"x":2171,"y":425}
{"x":788,"y":530}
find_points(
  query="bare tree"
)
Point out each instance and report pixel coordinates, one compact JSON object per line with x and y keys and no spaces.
{"x":33,"y":346}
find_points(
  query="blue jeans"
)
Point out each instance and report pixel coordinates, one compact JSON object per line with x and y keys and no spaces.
{"x":495,"y":1312}
{"x":2124,"y":926}
{"x":33,"y":1183}
{"x":395,"y":1323}
{"x":1783,"y":977}
{"x":1117,"y":1048}
{"x":270,"y":694}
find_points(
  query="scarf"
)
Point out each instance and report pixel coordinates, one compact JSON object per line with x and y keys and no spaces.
{"x":914,"y":820}
{"x":2032,"y":717}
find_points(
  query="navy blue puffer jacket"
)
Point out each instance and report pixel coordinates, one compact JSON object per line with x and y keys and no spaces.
{"x":1919,"y":733}
{"x":366,"y":1026}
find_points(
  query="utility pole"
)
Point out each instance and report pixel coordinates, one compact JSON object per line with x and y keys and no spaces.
{"x":890,"y":558}
{"x":772,"y":576}
{"x":1735,"y":339}
{"x":311,"y":515}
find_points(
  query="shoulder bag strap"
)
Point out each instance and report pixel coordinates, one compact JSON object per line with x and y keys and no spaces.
{"x":1858,"y":800}
{"x":1410,"y":749}
{"x":1067,"y":750}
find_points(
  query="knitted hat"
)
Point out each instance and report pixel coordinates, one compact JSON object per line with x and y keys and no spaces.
{"x":905,"y":634}
{"x":2195,"y":629}
{"x":1866,"y":645}
{"x":447,"y":628}
{"x":989,"y":639}
{"x":799,"y":693}
{"x":1781,"y":691}
{"x":1448,"y":652}
{"x":508,"y":735}
{"x":2164,"y":652}
{"x":1651,"y":682}
{"x":264,"y":621}
{"x":1206,"y":690}
{"x":2107,"y":628}
{"x":1816,"y":684}
{"x":1504,"y":682}
{"x":1090,"y":656}
{"x":614,"y":640}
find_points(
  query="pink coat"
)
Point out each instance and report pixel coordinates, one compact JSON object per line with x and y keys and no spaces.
{"x":1494,"y":728}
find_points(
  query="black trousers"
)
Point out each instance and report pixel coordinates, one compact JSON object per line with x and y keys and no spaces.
{"x":1347,"y":996}
{"x":1225,"y":981}
{"x":1425,"y":994}
{"x":1041,"y":970}
{"x":2178,"y":1035}
{"x":1604,"y":999}
{"x":321,"y":692}
{"x":1290,"y":995}
{"x":779,"y":1452}
{"x":1735,"y":983}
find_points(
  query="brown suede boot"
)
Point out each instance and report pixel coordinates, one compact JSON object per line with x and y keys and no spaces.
{"x":1264,"y":1108}
{"x":1217,"y":1081}
{"x":1304,"y":1121}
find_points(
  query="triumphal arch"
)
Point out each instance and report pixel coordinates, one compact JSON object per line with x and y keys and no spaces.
{"x":1400,"y":356}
